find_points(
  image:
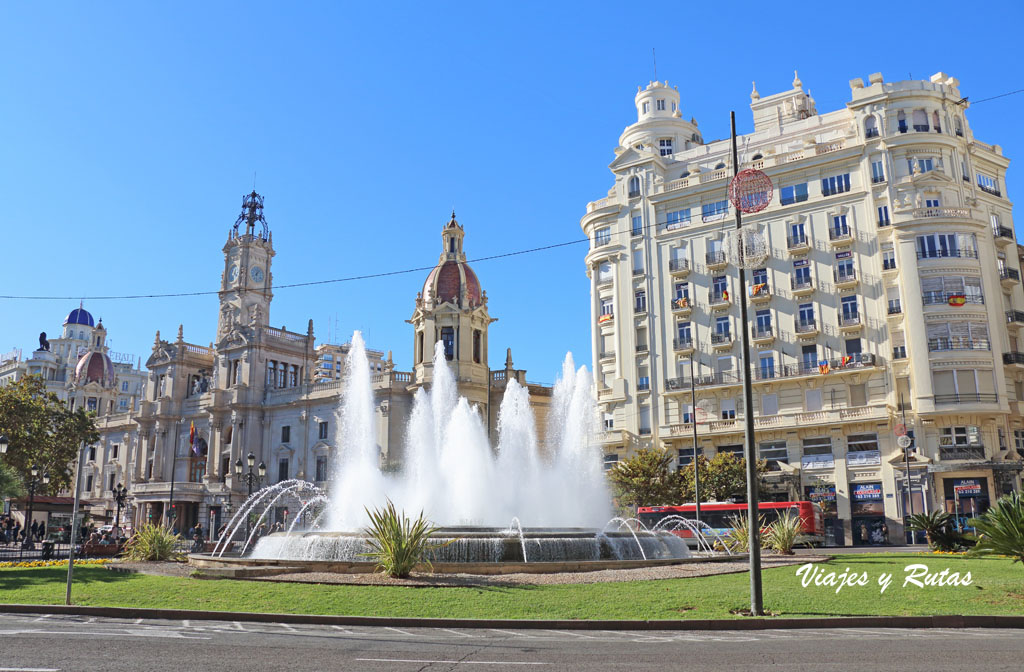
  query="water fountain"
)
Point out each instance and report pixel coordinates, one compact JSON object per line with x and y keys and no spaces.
{"x":453,"y":474}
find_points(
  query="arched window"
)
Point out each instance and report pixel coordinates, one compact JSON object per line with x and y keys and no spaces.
{"x":901,"y":121}
{"x":920,"y":121}
{"x":448,"y":339}
{"x":958,"y":127}
{"x":935,"y":122}
{"x":695,"y":138}
{"x":720,"y":166}
{"x":870,"y":128}
{"x":634,"y":186}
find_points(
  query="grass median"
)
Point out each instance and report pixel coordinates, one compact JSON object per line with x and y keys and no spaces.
{"x":997,"y":587}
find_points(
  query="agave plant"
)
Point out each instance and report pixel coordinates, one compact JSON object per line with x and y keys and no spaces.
{"x":782,"y":535}
{"x":151,"y":542}
{"x":1001,"y":528}
{"x":938,"y":530}
{"x":738,"y":539}
{"x":398,"y":543}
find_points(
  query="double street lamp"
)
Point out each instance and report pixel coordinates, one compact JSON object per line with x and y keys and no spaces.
{"x":120,"y":496}
{"x":29,"y":541}
{"x":251,"y":479}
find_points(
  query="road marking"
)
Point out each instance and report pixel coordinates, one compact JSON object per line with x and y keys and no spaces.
{"x":403,"y":632}
{"x":342,"y":630}
{"x":238,"y":626}
{"x":43,"y":617}
{"x":286,"y":627}
{"x":29,"y":669}
{"x":460,"y":634}
{"x":574,"y":634}
{"x":105,"y":633}
{"x":138,"y":621}
{"x":514,"y":634}
{"x":446,"y":662}
{"x":186,"y":623}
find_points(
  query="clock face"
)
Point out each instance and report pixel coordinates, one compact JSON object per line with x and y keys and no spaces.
{"x":233,"y":274}
{"x":257,"y":274}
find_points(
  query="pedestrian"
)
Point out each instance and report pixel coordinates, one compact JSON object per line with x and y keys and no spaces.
{"x":34,"y":530}
{"x":885,"y":534}
{"x":42,"y":530}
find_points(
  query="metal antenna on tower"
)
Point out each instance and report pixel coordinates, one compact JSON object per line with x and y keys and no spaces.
{"x":654,"y":56}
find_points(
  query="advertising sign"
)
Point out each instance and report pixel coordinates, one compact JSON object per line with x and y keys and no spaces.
{"x":967,"y":487}
{"x":844,"y":255}
{"x":800,"y":263}
{"x":866,"y":492}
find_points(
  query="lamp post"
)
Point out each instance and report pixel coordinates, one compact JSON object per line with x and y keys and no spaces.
{"x":120,"y":495}
{"x":251,"y":479}
{"x":29,"y":541}
{"x":3,"y":444}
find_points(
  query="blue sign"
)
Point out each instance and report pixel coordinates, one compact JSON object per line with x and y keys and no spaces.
{"x":800,"y":263}
{"x":844,"y":255}
{"x":822,"y":493}
{"x":863,"y":492}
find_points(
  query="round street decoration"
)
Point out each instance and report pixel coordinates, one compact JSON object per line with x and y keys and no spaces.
{"x":750,"y":191}
{"x":903,"y":441}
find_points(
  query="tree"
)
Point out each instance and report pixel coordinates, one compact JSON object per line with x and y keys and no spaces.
{"x":10,"y":482}
{"x":646,"y":479}
{"x":721,"y":477}
{"x":42,"y":431}
{"x":1001,"y":528}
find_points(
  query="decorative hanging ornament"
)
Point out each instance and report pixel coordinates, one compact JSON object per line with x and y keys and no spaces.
{"x":750,"y":191}
{"x":745,"y":248}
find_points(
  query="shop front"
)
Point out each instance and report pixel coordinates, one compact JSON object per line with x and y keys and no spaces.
{"x":966,"y":498}
{"x":824,"y":494}
{"x":867,"y":512}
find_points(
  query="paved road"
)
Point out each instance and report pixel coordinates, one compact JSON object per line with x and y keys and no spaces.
{"x":57,"y":643}
{"x":844,"y":550}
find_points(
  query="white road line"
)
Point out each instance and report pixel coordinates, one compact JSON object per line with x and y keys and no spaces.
{"x":138,"y":621}
{"x":446,"y":662}
{"x":342,"y":630}
{"x":455,"y":632}
{"x":403,"y":632}
{"x":186,"y":623}
{"x":104,"y":633}
{"x":509,"y":632}
{"x":43,"y":617}
{"x":29,"y":669}
{"x":238,"y":626}
{"x":574,"y":634}
{"x":286,"y":627}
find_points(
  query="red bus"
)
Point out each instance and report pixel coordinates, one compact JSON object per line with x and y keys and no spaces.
{"x":717,"y":515}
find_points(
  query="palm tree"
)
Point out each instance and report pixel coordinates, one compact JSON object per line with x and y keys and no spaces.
{"x":938,"y":529}
{"x":1001,"y":528}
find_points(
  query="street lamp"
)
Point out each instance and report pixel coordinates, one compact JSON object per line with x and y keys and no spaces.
{"x":251,"y":479}
{"x":3,"y":444}
{"x":120,"y":495}
{"x":29,"y":541}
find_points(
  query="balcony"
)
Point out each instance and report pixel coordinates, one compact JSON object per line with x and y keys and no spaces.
{"x":957,"y":343}
{"x":961,"y":453}
{"x":850,"y":322}
{"x":801,"y":286}
{"x":841,"y":236}
{"x":798,"y":244}
{"x":762,"y":335}
{"x":1009,"y":276}
{"x":1002,"y":234}
{"x":776,"y":372}
{"x":990,"y":190}
{"x":950,"y":298}
{"x":759,"y":293}
{"x":1013,"y":358}
{"x":921,"y":128}
{"x":1015,"y":317}
{"x":719,"y":300}
{"x":682,"y":346}
{"x":715,"y":260}
{"x":606,"y":318}
{"x":943,"y":254}
{"x":967,"y":398}
{"x":641,"y":348}
{"x":845,"y":279}
{"x":681,"y":307}
{"x":721,"y":340}
{"x":888,"y":265}
{"x":944,"y":212}
{"x":895,"y":310}
{"x":807,"y":327}
{"x":679,"y":267}
{"x":637,"y":272}
{"x":871,"y":133}
{"x":643,"y":385}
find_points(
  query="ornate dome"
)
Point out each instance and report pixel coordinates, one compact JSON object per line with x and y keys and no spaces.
{"x":95,"y":367}
{"x":445,"y":282}
{"x":80,"y":316}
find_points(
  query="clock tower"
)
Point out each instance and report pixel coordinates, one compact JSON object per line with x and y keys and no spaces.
{"x":245,"y":287}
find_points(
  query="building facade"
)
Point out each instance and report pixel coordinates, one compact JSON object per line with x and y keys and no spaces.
{"x":890,"y":301}
{"x":275,"y":393}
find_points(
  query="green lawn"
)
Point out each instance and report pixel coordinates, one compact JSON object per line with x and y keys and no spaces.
{"x":997,"y":588}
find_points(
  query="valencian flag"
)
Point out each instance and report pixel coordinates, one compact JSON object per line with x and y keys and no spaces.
{"x":758,"y":288}
{"x":823,"y":366}
{"x":192,"y":437}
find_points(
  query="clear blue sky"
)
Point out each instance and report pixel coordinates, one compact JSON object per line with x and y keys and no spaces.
{"x":130,"y":131}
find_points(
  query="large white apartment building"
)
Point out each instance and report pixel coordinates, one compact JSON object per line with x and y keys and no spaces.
{"x":891,"y":296}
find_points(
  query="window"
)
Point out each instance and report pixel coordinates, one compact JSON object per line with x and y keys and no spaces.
{"x":923,"y":165}
{"x":322,"y":430}
{"x":835,"y":185}
{"x":677,"y":218}
{"x":286,"y":434}
{"x":960,"y":436}
{"x":88,"y":483}
{"x":859,"y":395}
{"x":124,"y":386}
{"x":720,"y":166}
{"x":638,"y":262}
{"x":477,"y":346}
{"x":643,"y":379}
{"x":665,"y":146}
{"x":604,"y":272}
{"x":764,"y":322}
{"x":722,"y":328}
{"x":719,"y":286}
{"x":888,"y":259}
{"x":794,"y":194}
{"x":805,"y":315}
{"x":684,"y":456}
{"x":774,"y":452}
{"x":448,"y":339}
{"x":988,"y":184}
{"x":877,"y":172}
{"x":660,"y":104}
{"x":861,"y":442}
{"x":936,"y":245}
{"x":638,"y":225}
{"x":767,"y":372}
{"x":645,"y":106}
{"x":634,"y":186}
{"x":113,"y":451}
{"x":899,"y":345}
{"x":801,"y":274}
{"x":602,"y":236}
{"x":818,"y":445}
{"x":728,"y":407}
{"x":644,"y":418}
{"x":932,"y":203}
{"x":609,"y":422}
{"x":735,"y":449}
{"x":683,"y":333}
{"x":809,"y":358}
{"x":883,"y":215}
{"x":870,"y":128}
{"x":321,"y":468}
{"x":111,"y":480}
{"x":849,"y":308}
{"x":769,"y":404}
{"x":607,"y":307}
{"x":760,"y":276}
{"x":844,"y":269}
{"x":718,"y":209}
{"x":839,"y":226}
{"x":682,"y":295}
{"x":611,"y":459}
{"x":640,"y":301}
{"x":92,"y":453}
{"x":282,"y":469}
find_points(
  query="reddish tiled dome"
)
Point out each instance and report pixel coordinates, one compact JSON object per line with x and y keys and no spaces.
{"x":444,"y":284}
{"x":95,"y":367}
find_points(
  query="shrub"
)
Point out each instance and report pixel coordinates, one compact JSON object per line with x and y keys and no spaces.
{"x":738,"y":539}
{"x":781,"y":536}
{"x":397,"y":543}
{"x":938,"y":529}
{"x":1001,"y":528}
{"x":151,"y":542}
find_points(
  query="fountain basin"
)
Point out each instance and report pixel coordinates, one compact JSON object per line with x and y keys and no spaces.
{"x":481,"y":545}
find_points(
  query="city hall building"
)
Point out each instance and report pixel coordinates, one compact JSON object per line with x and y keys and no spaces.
{"x":891,"y":300}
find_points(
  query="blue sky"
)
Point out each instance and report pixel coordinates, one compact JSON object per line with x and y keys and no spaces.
{"x":130,"y":131}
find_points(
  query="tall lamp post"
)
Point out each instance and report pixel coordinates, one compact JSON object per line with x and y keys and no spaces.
{"x":251,"y":479}
{"x":120,"y":495}
{"x":29,"y":541}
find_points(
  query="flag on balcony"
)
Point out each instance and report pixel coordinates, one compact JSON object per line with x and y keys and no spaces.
{"x":758,"y":288}
{"x":957,"y":299}
{"x":607,"y":317}
{"x":823,"y":366}
{"x":725,"y":295}
{"x":192,"y":437}
{"x":845,"y":360}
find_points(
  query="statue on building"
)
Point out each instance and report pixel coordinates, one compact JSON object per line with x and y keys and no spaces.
{"x":44,"y":344}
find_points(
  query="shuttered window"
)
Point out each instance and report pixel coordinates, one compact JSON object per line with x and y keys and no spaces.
{"x":942,"y":383}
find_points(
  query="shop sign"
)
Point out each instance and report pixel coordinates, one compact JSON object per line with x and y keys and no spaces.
{"x":866,"y":492}
{"x":863,"y":458}
{"x":822,"y":493}
{"x":844,"y":255}
{"x":818,"y":462}
{"x":800,"y":263}
{"x":967,"y":487}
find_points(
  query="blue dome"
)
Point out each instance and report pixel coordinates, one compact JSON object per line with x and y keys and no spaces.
{"x":80,"y":316}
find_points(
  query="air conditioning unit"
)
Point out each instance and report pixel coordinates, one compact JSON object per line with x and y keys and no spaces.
{"x":867,"y":359}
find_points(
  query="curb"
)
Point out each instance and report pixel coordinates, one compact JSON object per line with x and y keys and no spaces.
{"x":950,"y":621}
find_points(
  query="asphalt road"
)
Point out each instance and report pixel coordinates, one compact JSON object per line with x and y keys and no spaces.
{"x":57,"y":643}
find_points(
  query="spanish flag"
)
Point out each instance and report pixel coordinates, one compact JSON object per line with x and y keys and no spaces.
{"x":607,"y":317}
{"x":957,"y":299}
{"x":823,"y":366}
{"x":192,"y":437}
{"x":845,"y":360}
{"x":725,"y":294}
